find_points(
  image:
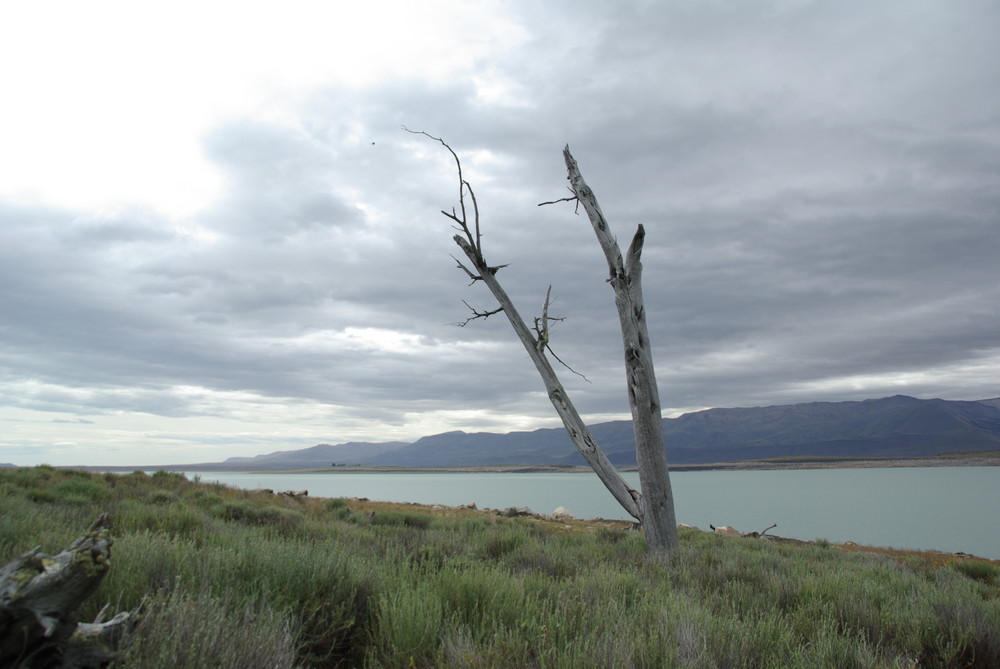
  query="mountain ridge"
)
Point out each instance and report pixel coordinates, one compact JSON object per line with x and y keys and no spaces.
{"x":892,"y":427}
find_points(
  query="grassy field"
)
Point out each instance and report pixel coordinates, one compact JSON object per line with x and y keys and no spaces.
{"x":230,"y":578}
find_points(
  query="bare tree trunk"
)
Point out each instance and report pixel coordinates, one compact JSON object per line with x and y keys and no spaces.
{"x":657,"y":502}
{"x":575,"y":427}
{"x":654,"y":506}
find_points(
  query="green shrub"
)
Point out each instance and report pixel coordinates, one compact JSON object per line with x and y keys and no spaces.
{"x":402,"y":519}
{"x":41,"y":495}
{"x":240,"y":512}
{"x":161,"y":497}
{"x":408,"y":625}
{"x":180,"y":629}
{"x":338,"y":508}
{"x":503,"y":542}
{"x":79,"y":491}
{"x":975,"y":569}
{"x":237,"y":579}
{"x":280,"y":518}
{"x":610,"y":535}
{"x":204,"y":498}
{"x":162,"y":477}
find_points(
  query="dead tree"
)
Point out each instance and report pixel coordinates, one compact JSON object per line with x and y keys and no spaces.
{"x":39,"y":596}
{"x":653,"y":507}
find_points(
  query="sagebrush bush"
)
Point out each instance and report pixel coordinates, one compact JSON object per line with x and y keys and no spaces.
{"x":979,"y":570}
{"x":224,"y":577}
{"x":402,"y":518}
{"x":184,"y":629}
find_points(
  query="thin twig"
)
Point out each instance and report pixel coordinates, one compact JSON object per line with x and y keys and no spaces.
{"x":472,"y":275}
{"x":560,"y":360}
{"x":475,"y":211}
{"x":573,"y":198}
{"x":562,"y":199}
{"x":542,"y":323}
{"x":476,"y":314}
{"x":542,"y":343}
{"x":475,"y":240}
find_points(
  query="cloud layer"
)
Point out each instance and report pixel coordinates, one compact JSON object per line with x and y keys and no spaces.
{"x":818,"y":182}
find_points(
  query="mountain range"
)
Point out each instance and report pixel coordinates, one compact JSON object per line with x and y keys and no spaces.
{"x":891,"y":427}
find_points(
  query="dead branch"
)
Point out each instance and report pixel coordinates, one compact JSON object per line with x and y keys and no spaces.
{"x":463,"y":187}
{"x":578,"y":431}
{"x":563,"y":363}
{"x":542,"y":324}
{"x":562,"y":199}
{"x":759,"y":535}
{"x":572,"y":198}
{"x":476,"y":314}
{"x":472,"y":275}
{"x":543,"y":342}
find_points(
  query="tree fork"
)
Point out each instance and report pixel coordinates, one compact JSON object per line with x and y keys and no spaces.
{"x":574,"y":424}
{"x":653,"y":507}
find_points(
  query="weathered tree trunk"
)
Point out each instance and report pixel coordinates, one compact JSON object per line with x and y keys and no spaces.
{"x":39,"y":596}
{"x":657,"y":501}
{"x":654,"y":506}
{"x":575,"y":427}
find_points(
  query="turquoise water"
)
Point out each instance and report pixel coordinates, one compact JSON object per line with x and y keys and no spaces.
{"x":931,"y":508}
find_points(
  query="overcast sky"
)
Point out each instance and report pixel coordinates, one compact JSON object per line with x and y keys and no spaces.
{"x":216,"y":240}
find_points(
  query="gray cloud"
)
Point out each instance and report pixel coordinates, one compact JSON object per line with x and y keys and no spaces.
{"x":817,"y":181}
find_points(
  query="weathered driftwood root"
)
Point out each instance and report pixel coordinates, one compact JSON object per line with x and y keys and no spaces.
{"x":39,"y":597}
{"x":725,"y":529}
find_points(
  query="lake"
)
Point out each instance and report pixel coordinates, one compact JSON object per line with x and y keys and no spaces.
{"x":949,"y":509}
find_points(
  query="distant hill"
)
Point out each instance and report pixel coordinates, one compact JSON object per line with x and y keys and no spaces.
{"x":321,"y":455}
{"x":897,"y":426}
{"x":894,"y":427}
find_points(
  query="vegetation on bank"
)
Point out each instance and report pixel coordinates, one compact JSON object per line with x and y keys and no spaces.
{"x":231,"y":578}
{"x":968,"y":455}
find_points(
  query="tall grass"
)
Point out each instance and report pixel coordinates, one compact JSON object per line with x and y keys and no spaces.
{"x":229,"y":578}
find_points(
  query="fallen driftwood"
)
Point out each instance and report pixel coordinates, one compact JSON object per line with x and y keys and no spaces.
{"x":39,"y":596}
{"x":762,"y":533}
{"x":294,"y":493}
{"x":725,"y":529}
{"x":515,"y":511}
{"x":732,"y":531}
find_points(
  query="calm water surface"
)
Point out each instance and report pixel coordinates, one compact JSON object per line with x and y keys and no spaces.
{"x":939,"y":508}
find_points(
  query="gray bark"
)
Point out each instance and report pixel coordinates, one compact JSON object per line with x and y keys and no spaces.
{"x":575,"y":427}
{"x":654,"y":507}
{"x":39,"y":596}
{"x":657,"y":502}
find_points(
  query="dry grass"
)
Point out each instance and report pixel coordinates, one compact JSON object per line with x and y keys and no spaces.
{"x":310,"y":582}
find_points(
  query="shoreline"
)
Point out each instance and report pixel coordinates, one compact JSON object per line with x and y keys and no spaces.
{"x":739,"y":465}
{"x":743,"y":465}
{"x":196,"y":474}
